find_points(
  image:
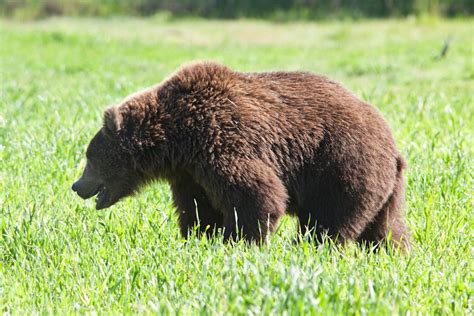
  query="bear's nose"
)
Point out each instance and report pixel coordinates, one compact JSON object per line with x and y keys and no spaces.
{"x":74,"y":186}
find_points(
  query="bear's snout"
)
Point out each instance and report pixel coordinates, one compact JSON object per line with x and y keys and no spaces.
{"x":74,"y":186}
{"x":86,"y":189}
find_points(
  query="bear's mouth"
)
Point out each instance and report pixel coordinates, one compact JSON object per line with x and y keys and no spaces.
{"x":102,"y":200}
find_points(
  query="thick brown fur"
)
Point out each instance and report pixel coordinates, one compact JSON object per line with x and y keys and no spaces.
{"x":242,"y":149}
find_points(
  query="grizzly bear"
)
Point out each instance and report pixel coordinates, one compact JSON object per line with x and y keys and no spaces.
{"x":241,"y":149}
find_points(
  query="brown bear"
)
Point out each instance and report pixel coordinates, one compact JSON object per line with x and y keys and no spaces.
{"x":241,"y":149}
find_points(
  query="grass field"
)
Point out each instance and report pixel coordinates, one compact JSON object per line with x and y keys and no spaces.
{"x":58,"y":254}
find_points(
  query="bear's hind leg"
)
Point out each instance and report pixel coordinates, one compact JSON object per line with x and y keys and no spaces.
{"x":389,"y":220}
{"x":324,"y":210}
{"x":314,"y":225}
{"x":193,"y":207}
{"x":332,"y":210}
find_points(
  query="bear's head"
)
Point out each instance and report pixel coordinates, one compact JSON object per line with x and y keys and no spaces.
{"x":109,"y":174}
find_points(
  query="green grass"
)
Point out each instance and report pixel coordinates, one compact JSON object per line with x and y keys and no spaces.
{"x":58,"y":254}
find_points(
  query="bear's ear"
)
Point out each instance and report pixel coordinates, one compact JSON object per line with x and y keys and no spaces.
{"x":112,"y":120}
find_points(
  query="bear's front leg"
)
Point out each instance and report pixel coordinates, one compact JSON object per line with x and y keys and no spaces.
{"x":193,"y":207}
{"x":252,"y":197}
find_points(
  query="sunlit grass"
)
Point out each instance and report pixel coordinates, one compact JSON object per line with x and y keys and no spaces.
{"x":58,"y":254}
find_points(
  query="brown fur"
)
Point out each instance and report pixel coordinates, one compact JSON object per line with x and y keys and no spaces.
{"x":242,"y":149}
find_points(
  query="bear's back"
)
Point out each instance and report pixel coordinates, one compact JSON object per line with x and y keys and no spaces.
{"x":281,"y":115}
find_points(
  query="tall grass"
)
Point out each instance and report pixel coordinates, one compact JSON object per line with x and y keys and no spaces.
{"x":59,"y":255}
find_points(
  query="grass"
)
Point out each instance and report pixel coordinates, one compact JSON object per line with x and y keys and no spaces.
{"x":59,"y":255}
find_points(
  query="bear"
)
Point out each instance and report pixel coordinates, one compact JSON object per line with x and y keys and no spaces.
{"x":241,"y":149}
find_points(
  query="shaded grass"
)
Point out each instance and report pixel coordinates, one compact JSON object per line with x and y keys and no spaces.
{"x":57,"y":254}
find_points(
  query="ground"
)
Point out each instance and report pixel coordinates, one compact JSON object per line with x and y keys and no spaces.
{"x":59,"y":254}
